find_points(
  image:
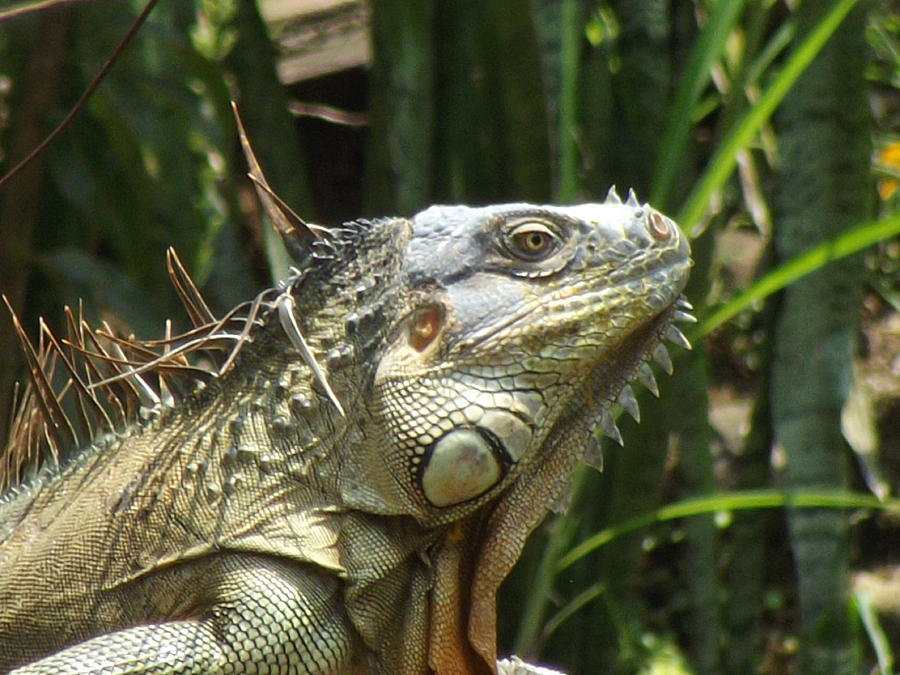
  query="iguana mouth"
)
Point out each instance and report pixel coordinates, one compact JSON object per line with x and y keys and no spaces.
{"x":632,"y":364}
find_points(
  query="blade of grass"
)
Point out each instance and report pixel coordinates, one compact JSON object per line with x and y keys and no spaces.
{"x":780,"y":41}
{"x":583,"y":599}
{"x":528,"y":638}
{"x":732,"y":501}
{"x":880,"y":643}
{"x":739,"y":137}
{"x":706,"y":52}
{"x":851,"y":241}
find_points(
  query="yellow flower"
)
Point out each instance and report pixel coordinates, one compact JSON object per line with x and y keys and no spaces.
{"x":889,"y":158}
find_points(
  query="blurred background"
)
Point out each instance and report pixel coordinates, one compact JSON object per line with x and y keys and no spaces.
{"x":750,"y":524}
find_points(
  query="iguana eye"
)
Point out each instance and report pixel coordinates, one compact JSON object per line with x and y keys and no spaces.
{"x":532,"y":241}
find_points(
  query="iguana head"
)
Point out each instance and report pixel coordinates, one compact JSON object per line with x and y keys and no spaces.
{"x":517,"y":318}
{"x":479,"y":337}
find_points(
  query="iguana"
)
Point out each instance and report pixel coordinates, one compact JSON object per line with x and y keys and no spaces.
{"x":337,"y":476}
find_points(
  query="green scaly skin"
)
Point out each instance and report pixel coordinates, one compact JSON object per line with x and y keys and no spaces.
{"x":250,"y":526}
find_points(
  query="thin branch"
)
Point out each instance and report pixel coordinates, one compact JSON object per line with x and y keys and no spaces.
{"x":34,"y":6}
{"x":98,"y":78}
{"x":328,"y":113}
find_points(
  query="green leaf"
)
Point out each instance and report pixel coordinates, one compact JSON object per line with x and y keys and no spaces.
{"x":851,"y":241}
{"x":570,"y":29}
{"x":881,"y":644}
{"x":740,"y":136}
{"x":707,"y":51}
{"x":730,"y":501}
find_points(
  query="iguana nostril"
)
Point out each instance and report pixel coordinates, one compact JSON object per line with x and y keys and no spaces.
{"x":659,"y":228}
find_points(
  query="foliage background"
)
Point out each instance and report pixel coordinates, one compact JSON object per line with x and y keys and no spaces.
{"x":547,"y":100}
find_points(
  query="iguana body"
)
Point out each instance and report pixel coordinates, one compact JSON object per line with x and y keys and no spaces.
{"x":348,"y":491}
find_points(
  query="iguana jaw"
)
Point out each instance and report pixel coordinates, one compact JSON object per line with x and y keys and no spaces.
{"x":544,"y":484}
{"x":609,"y":381}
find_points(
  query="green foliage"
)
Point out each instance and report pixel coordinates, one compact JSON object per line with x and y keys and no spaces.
{"x":707,"y":51}
{"x":875,"y":632}
{"x":722,"y":506}
{"x":853,"y":240}
{"x":662,"y":564}
{"x":742,"y":134}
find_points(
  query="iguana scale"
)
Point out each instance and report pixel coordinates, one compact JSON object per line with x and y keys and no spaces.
{"x":337,"y":476}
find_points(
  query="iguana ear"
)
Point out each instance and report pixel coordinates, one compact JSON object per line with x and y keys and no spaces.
{"x":297,"y":234}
